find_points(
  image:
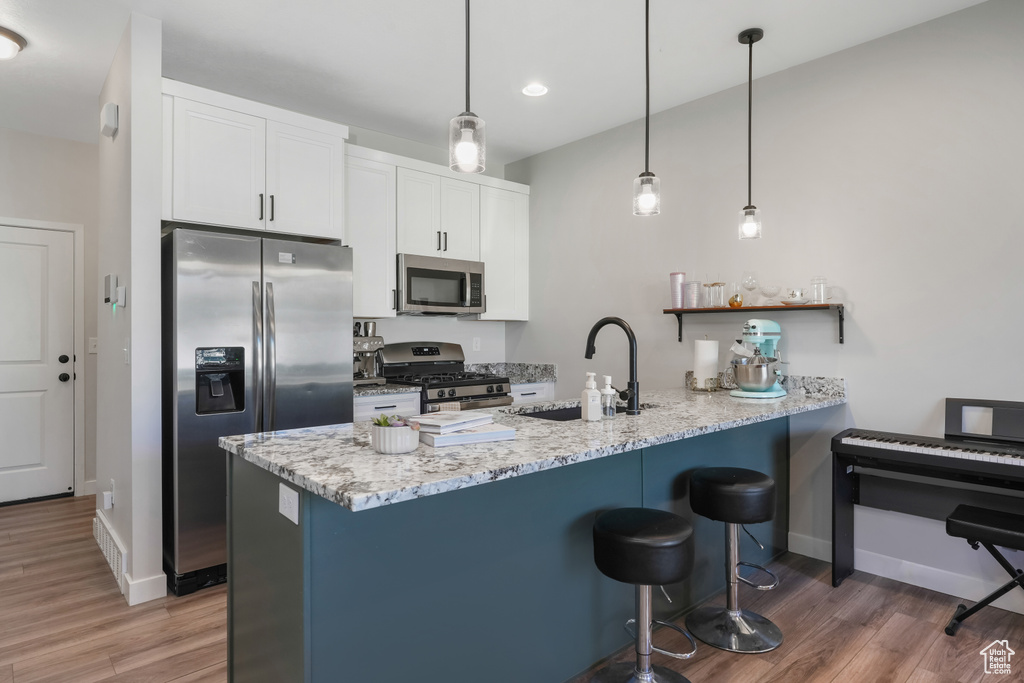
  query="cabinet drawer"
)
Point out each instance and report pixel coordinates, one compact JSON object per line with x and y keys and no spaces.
{"x":366,"y":407}
{"x":535,"y":391}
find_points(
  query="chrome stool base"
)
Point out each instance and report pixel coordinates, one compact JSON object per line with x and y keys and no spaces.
{"x":625,"y":672}
{"x":735,"y":631}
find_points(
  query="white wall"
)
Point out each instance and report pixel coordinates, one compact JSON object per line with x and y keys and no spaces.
{"x":893,"y":168}
{"x":412,"y":328}
{"x":128,"y":411}
{"x":51,"y":179}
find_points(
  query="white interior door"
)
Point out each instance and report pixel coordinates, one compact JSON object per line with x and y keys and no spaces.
{"x":37,"y":392}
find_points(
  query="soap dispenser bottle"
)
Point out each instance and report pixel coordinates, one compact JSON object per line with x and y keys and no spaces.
{"x":608,"y":398}
{"x":590,"y":400}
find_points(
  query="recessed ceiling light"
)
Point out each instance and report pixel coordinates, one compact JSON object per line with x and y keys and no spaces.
{"x":10,"y":43}
{"x":535,"y":90}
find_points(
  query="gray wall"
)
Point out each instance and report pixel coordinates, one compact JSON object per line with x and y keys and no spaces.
{"x":51,"y":179}
{"x":893,"y":168}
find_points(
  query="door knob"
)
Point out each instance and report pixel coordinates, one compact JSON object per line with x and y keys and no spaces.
{"x":63,"y":377}
{"x":63,"y":358}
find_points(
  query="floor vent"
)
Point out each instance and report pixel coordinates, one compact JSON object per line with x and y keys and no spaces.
{"x":112,"y":549}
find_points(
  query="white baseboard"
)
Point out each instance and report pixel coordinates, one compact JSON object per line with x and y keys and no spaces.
{"x":88,"y":488}
{"x":950,"y":583}
{"x":138,"y":591}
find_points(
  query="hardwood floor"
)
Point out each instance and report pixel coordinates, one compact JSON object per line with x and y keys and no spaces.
{"x":62,"y":619}
{"x":869,"y":630}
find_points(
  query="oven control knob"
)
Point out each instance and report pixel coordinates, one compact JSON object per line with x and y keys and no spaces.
{"x":440,"y":393}
{"x":497,"y":387}
{"x":490,"y":389}
{"x":451,"y":392}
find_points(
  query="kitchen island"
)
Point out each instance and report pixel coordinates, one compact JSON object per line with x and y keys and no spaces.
{"x":474,"y":562}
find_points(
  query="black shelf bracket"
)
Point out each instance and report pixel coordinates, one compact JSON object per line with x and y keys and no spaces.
{"x":838,"y":308}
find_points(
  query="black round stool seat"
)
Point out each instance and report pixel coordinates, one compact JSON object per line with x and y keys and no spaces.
{"x":732,"y":494}
{"x":643,"y":546}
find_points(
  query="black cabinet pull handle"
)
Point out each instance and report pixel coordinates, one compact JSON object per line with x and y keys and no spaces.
{"x":261,"y":206}
{"x":271,"y":207}
{"x":394,"y":299}
{"x":384,"y":407}
{"x":439,"y":240}
{"x":529,"y":393}
{"x":445,"y":241}
{"x":63,"y":358}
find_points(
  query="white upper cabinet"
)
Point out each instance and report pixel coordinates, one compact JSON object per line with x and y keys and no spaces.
{"x":219,"y":166}
{"x":505,"y":251}
{"x":370,"y":199}
{"x":305,"y":181}
{"x":460,"y":219}
{"x":419,"y":213}
{"x":438,"y":216}
{"x":243,"y":164}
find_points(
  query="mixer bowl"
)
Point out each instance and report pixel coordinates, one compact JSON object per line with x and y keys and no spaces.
{"x":755,"y":376}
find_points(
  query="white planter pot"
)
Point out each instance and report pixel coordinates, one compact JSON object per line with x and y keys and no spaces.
{"x":394,"y":439}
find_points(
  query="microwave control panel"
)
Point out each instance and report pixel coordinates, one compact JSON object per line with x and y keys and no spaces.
{"x":476,"y":286}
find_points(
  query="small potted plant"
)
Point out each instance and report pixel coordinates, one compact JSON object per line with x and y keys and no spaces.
{"x":394,"y":434}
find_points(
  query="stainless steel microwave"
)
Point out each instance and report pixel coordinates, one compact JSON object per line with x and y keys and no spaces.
{"x":433,"y":285}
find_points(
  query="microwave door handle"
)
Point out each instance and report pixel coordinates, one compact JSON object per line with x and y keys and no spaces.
{"x":465,"y":290}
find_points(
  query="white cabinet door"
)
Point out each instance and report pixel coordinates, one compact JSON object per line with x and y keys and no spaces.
{"x":219,"y":166}
{"x":534,"y":391}
{"x":366,"y":407}
{"x":460,"y":219}
{"x":419,"y":213}
{"x":505,"y":251}
{"x":305,"y":182}
{"x":370,"y":231}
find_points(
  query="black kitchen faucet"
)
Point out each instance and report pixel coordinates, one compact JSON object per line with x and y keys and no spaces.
{"x":632,"y":394}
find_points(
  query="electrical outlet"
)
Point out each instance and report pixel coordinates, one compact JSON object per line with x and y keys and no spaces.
{"x":476,"y":343}
{"x":288,"y":503}
{"x":92,"y":344}
{"x":112,"y":489}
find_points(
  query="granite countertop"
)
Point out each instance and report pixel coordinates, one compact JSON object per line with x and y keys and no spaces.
{"x":337,"y":462}
{"x":382,"y":389}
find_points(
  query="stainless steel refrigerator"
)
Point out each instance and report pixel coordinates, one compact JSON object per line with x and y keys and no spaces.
{"x":257,"y":336}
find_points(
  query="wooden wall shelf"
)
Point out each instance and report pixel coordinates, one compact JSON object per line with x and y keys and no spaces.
{"x":680,"y":312}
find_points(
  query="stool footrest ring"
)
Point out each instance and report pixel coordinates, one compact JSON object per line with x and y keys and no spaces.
{"x":758,"y":586}
{"x":676,"y":655}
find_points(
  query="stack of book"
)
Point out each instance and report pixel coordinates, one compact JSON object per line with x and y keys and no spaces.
{"x":455,"y":427}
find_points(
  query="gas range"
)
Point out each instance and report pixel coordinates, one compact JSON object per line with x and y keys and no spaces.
{"x":438,"y":368}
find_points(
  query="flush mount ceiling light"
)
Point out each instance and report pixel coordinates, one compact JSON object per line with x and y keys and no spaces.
{"x":750,"y":217}
{"x":466,"y":150}
{"x":535,"y":90}
{"x":647,"y":187}
{"x":10,"y":43}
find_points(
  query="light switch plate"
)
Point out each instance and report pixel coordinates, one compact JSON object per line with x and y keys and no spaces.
{"x":288,"y":503}
{"x":92,"y":344}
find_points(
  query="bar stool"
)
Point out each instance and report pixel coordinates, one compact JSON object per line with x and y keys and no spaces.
{"x":735,"y":496}
{"x":647,"y":548}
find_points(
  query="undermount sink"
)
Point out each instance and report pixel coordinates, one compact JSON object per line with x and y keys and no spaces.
{"x":565,"y":414}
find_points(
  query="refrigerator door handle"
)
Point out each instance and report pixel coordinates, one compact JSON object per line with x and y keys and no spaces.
{"x":257,"y":355}
{"x":271,"y":359}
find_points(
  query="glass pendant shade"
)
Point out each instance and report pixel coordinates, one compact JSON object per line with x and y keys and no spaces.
{"x":750,"y":223}
{"x":466,"y":151}
{"x":646,"y":195}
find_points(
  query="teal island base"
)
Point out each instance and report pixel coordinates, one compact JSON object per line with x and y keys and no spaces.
{"x":491,"y":583}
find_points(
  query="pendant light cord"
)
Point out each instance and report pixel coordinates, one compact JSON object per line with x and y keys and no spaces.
{"x":647,"y":71}
{"x":750,"y":118}
{"x":467,"y":57}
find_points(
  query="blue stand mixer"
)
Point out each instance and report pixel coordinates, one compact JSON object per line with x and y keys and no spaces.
{"x":758,"y":375}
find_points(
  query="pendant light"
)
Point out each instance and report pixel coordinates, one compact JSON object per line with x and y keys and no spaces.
{"x":750,"y":217}
{"x":466,"y":150}
{"x":647,"y":187}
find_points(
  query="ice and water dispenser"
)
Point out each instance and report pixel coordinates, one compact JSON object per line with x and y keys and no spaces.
{"x":220,"y":380}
